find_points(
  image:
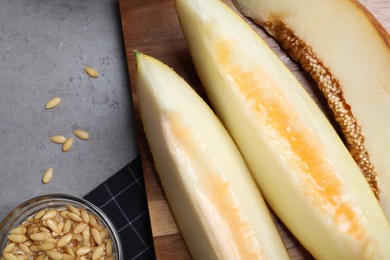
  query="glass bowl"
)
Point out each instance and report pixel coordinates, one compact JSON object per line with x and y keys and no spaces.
{"x":59,"y":202}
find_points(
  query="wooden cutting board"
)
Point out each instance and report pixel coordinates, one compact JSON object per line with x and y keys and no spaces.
{"x":152,"y":27}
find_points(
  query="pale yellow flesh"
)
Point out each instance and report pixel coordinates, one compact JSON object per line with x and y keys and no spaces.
{"x":301,"y":165}
{"x":214,"y":199}
{"x":355,"y":51}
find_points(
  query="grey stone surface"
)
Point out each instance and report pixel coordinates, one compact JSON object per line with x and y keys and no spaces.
{"x":44,"y":46}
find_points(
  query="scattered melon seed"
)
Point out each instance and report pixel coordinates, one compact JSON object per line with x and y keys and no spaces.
{"x":59,"y":139}
{"x":83,"y":135}
{"x":91,"y":72}
{"x":53,"y":102}
{"x":67,"y":145}
{"x":46,"y":178}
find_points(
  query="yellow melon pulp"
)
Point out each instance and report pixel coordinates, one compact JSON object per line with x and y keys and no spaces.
{"x":302,"y":167}
{"x":293,"y":138}
{"x":214,"y":199}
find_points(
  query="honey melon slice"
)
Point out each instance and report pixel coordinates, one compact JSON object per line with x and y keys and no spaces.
{"x":302,"y":167}
{"x":213,"y":197}
{"x":347,"y":52}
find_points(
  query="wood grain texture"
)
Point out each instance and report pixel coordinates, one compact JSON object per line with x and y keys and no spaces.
{"x":152,"y":27}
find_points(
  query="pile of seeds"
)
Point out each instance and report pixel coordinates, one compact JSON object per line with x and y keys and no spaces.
{"x":59,"y":233}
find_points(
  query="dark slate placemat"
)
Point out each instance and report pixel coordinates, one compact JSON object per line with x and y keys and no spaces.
{"x":123,"y":198}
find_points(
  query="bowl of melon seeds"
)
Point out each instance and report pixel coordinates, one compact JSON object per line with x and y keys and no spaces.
{"x":58,"y":226}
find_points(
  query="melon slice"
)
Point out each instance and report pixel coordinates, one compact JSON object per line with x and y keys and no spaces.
{"x":212,"y":195}
{"x":302,"y":167}
{"x":345,"y":49}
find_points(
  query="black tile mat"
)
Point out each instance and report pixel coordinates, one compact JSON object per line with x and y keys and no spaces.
{"x":123,"y":199}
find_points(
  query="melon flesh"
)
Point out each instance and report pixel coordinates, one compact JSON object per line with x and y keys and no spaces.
{"x":213,"y":197}
{"x":301,"y":165}
{"x":355,"y":49}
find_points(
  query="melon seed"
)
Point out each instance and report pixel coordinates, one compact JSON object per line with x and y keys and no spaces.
{"x":9,"y":248}
{"x":72,"y":209}
{"x":18,"y":230}
{"x":46,"y":178}
{"x":54,"y":255}
{"x":59,"y":139}
{"x":17,"y":238}
{"x":39,"y":237}
{"x":53,"y":102}
{"x":52,"y":225}
{"x":9,"y":256}
{"x":64,"y":240}
{"x":67,"y":145}
{"x":96,"y":236}
{"x":46,"y":246}
{"x":49,"y":214}
{"x":81,"y":134}
{"x":79,"y":228}
{"x":83,"y":250}
{"x":98,"y":252}
{"x":91,"y":72}
{"x":74,"y":217}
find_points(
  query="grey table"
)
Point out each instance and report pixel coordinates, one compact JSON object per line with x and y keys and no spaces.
{"x":44,"y":46}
